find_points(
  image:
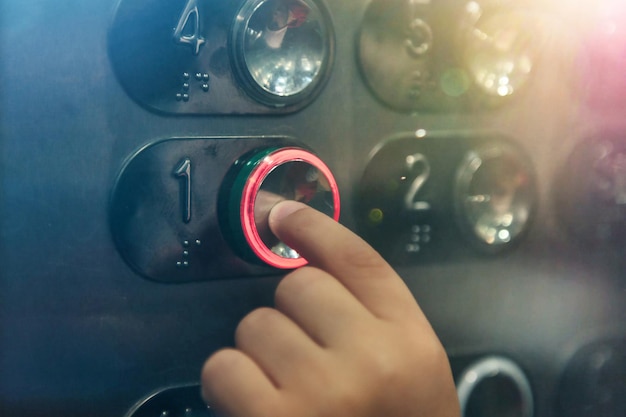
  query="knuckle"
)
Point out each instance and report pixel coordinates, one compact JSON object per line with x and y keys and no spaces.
{"x":344,"y":400}
{"x":430,"y":348}
{"x":363,"y":256}
{"x":218,"y":361}
{"x":387,"y":366}
{"x":254,"y":321}
{"x":296,"y":284}
{"x":394,"y":360}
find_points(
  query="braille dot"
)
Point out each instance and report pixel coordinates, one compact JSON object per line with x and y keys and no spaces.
{"x":186,"y":253}
{"x":185,"y":97}
{"x":205,"y":77}
{"x":198,"y":76}
{"x":205,"y":87}
{"x":179,"y":97}
{"x":185,"y":86}
{"x":185,"y":243}
{"x":185,"y":75}
{"x":412,"y":248}
{"x":179,"y":264}
{"x":198,"y":242}
{"x":415,"y":93}
{"x":185,"y":264}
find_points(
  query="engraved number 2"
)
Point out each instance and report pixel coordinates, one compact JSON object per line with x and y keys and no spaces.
{"x":420,"y":161}
{"x":193,"y":39}
{"x":183,"y":170}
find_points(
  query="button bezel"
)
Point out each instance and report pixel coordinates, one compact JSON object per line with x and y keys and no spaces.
{"x":249,"y":180}
{"x":492,"y":366}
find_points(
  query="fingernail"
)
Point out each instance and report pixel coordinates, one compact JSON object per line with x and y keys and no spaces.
{"x":284,"y":209}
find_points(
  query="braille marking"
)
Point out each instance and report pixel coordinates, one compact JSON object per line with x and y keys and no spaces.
{"x":187,"y":87}
{"x":186,"y":252}
{"x":419,"y":236}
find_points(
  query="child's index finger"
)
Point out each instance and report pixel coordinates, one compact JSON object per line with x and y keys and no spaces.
{"x":333,"y":248}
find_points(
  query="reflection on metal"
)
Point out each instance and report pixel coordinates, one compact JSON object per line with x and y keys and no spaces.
{"x":394,"y":48}
{"x":494,"y":386}
{"x":283,"y":49}
{"x":194,"y":40}
{"x":592,"y":190}
{"x":499,"y":50}
{"x":175,"y":401}
{"x":183,"y":170}
{"x":445,"y":56}
{"x":494,"y":195}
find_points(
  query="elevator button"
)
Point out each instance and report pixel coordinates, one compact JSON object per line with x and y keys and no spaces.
{"x":164,"y":209}
{"x":494,"y":195}
{"x":283,"y":49}
{"x":258,"y":182}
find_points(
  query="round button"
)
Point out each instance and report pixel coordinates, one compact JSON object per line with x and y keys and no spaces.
{"x":500,"y":50}
{"x":591,"y":193}
{"x":593,"y":383}
{"x":495,"y":195}
{"x":493,"y":387}
{"x":263,"y":179}
{"x":283,"y":49}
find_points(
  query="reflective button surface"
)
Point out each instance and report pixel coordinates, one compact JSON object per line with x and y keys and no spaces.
{"x":283,"y":49}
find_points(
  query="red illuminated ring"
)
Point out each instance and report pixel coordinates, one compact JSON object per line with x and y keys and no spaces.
{"x":250,"y":192}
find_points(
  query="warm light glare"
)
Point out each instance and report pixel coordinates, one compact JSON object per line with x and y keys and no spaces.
{"x":501,"y":52}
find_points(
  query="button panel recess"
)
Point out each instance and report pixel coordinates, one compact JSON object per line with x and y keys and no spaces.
{"x":442,"y":196}
{"x":222,"y":56}
{"x":164,"y":206}
{"x":448,"y":55}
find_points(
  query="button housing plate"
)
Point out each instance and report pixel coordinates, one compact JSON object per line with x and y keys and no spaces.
{"x":164,"y":219}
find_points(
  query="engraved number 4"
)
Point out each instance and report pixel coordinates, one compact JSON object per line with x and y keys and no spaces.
{"x":184,"y":37}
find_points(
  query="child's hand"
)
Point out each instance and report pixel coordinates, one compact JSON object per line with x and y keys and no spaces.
{"x":346,"y":337}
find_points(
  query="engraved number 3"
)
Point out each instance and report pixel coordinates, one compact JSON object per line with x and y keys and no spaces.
{"x":181,"y":36}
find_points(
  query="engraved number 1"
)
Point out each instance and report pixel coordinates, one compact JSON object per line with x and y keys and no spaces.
{"x":183,"y":170}
{"x":193,"y":39}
